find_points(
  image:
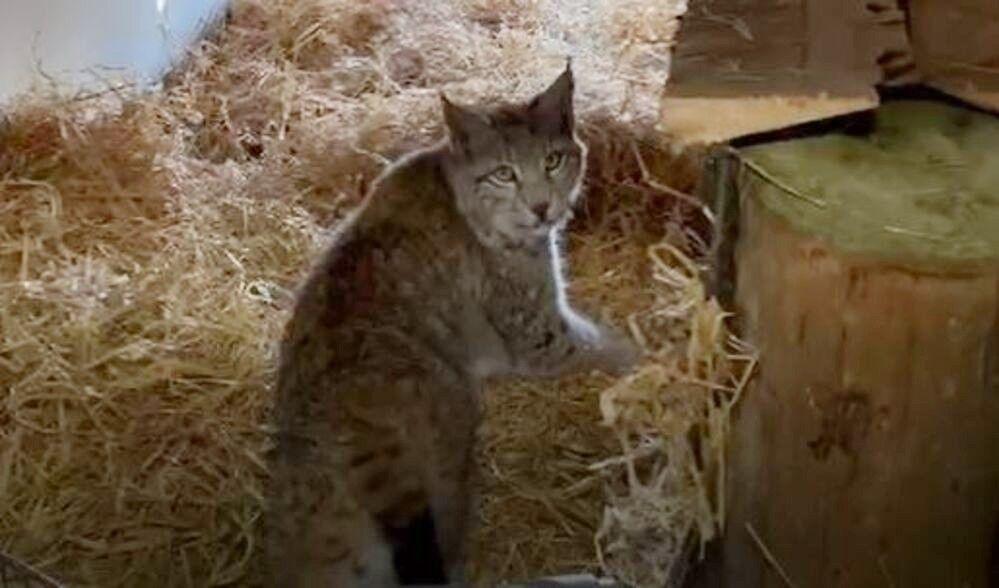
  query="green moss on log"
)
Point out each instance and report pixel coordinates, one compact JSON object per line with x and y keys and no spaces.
{"x":922,"y":189}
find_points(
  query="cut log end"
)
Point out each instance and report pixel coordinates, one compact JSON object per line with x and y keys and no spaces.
{"x":865,"y":454}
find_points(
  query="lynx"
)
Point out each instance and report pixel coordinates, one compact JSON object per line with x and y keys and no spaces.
{"x":447,"y":275}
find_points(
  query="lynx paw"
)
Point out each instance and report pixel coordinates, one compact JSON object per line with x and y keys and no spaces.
{"x":617,"y":355}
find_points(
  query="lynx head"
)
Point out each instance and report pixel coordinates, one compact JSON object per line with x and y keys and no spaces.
{"x":516,"y":170}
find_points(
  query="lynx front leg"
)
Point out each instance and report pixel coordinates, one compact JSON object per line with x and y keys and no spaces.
{"x":569,"y":342}
{"x":543,"y":334}
{"x":600,"y":347}
{"x":546,"y":337}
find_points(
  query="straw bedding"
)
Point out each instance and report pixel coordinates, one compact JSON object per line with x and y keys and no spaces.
{"x":150,"y":244}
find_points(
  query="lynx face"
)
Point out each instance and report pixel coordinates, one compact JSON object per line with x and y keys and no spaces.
{"x":516,"y":171}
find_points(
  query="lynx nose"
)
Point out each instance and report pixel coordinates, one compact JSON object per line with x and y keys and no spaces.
{"x":540,"y":211}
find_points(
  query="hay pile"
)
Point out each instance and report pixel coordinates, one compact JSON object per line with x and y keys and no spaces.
{"x":150,"y":245}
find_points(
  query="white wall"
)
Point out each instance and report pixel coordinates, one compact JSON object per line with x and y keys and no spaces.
{"x":80,"y":41}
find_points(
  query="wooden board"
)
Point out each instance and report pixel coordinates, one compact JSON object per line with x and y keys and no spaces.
{"x":956,"y":47}
{"x":742,"y":67}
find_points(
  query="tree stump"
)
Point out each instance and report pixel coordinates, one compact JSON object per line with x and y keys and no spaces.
{"x":866,"y":272}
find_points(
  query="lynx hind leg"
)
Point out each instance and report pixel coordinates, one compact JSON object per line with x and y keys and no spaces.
{"x":390,"y":478}
{"x":452,"y":497}
{"x":368,"y":565}
{"x":316,"y":536}
{"x":452,"y":514}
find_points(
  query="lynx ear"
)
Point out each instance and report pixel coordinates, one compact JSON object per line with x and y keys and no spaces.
{"x":553,"y":107}
{"x":462,"y":123}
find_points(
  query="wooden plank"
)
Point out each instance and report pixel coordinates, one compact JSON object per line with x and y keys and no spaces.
{"x":956,"y":47}
{"x":743,"y":67}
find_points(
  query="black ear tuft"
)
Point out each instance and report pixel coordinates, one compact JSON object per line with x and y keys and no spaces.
{"x":553,"y":107}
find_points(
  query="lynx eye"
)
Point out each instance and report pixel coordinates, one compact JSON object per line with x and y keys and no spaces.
{"x":504,"y":174}
{"x":554,"y":160}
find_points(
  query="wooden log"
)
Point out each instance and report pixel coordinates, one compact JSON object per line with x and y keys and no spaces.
{"x":866,"y":453}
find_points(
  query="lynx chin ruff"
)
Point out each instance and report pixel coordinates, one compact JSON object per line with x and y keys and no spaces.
{"x":448,"y":274}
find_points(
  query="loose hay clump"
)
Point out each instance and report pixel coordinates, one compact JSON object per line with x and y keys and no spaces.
{"x":671,"y":420}
{"x":137,"y":316}
{"x":150,"y":246}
